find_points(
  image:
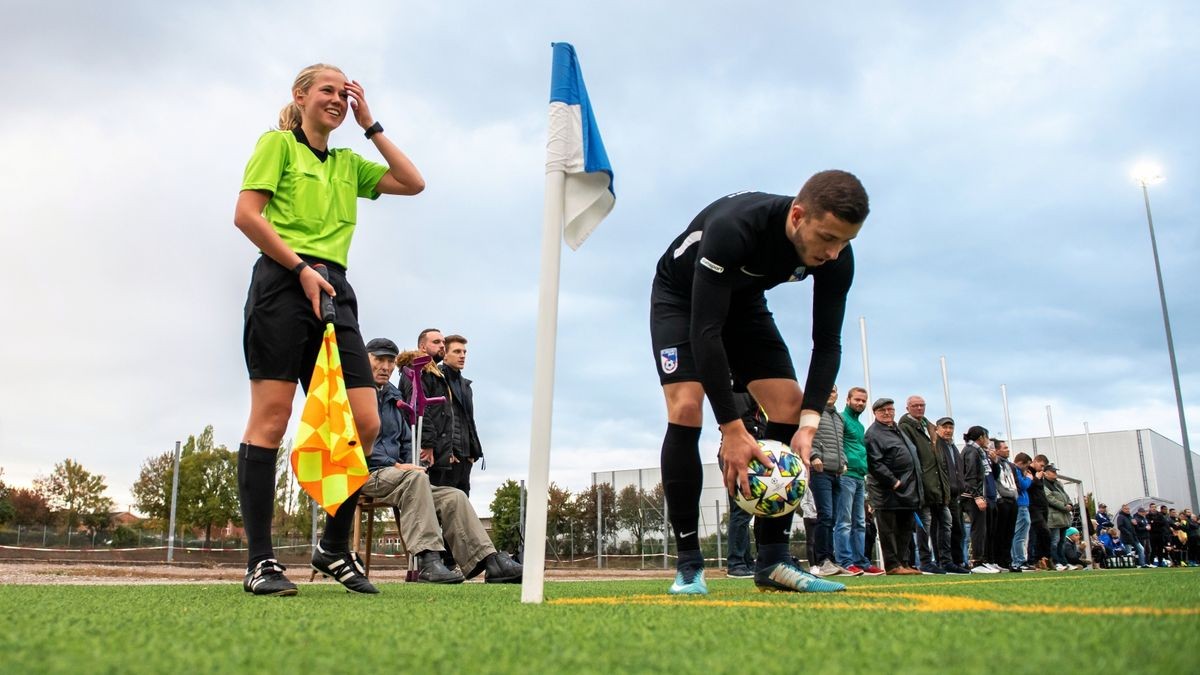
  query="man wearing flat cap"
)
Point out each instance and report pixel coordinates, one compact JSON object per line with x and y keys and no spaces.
{"x":894,"y":485}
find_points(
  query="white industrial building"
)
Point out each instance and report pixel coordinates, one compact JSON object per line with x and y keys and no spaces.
{"x":1122,"y":465}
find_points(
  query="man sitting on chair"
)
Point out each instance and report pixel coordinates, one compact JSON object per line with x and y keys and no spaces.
{"x":395,"y":480}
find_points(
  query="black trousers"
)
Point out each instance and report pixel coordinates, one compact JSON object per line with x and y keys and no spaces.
{"x":1001,"y":535}
{"x":979,"y":529}
{"x":895,"y":536}
{"x":956,"y":532}
{"x":1039,"y":541}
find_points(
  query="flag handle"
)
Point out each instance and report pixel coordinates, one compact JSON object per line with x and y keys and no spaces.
{"x":328,"y":313}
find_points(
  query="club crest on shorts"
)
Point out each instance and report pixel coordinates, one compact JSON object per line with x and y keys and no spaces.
{"x":669,"y":360}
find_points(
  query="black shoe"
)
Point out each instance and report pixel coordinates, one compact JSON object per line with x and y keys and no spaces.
{"x":952,"y":568}
{"x":267,"y":579}
{"x":930,"y":568}
{"x":1015,"y":569}
{"x":345,"y":567}
{"x":433,"y":571}
{"x":502,"y":569}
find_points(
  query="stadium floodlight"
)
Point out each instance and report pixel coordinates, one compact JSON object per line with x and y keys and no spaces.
{"x":1146,"y":174}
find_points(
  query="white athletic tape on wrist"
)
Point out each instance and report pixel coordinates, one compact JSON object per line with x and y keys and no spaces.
{"x":810,"y":419}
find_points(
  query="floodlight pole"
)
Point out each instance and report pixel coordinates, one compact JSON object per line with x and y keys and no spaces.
{"x":1053,"y":438}
{"x":1007,"y":421}
{"x":1092,"y":465}
{"x":946,"y":388}
{"x":862,"y":329}
{"x":174,"y":499}
{"x":1162,"y":298}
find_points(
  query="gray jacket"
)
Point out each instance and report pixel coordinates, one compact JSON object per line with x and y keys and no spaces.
{"x":828,"y":443}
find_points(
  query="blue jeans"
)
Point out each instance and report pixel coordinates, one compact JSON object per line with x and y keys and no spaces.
{"x":850,"y":523}
{"x":1056,"y":540}
{"x":1020,"y":535}
{"x":1141,"y":552}
{"x":825,"y":488}
{"x":739,"y":537}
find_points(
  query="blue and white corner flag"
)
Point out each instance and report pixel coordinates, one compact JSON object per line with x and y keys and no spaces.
{"x":574,"y":147}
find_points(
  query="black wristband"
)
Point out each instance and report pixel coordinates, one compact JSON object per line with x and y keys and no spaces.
{"x":373,"y":129}
{"x":299,"y":268}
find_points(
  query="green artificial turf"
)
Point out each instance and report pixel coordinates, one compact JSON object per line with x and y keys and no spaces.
{"x":966,"y":624}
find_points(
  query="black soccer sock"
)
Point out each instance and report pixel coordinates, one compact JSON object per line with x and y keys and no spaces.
{"x":774,"y":534}
{"x":256,"y":495}
{"x":778,"y":431}
{"x":683,"y":477}
{"x":336,"y":538}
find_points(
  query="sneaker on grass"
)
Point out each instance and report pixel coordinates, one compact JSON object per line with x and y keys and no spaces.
{"x":873,"y":571}
{"x":345,"y":567}
{"x":689,"y":580}
{"x":982,"y":569}
{"x":853,"y":571}
{"x":785,"y":577}
{"x":267,"y":579}
{"x":739,"y":572}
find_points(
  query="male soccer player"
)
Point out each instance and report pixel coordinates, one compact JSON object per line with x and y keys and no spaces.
{"x":709,"y":324}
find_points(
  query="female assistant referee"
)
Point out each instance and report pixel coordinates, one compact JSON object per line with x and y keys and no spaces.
{"x":298,"y":206}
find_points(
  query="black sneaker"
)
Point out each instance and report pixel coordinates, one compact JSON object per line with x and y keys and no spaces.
{"x":345,"y":567}
{"x":502,"y":569}
{"x":267,"y":579}
{"x":433,"y":571}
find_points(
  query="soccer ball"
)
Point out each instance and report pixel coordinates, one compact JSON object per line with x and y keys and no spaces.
{"x":774,"y":492}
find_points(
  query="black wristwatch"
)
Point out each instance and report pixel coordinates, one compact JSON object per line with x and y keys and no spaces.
{"x":299,"y":268}
{"x":373,"y":129}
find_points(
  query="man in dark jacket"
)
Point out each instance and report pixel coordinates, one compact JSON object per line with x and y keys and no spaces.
{"x":465,"y":445}
{"x":1002,"y":527}
{"x":894,"y":485}
{"x":437,"y":433}
{"x":953,"y":461}
{"x":1039,"y":511}
{"x":1129,"y":533}
{"x":935,"y":483}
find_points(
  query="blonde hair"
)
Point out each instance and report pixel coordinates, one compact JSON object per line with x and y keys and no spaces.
{"x":290,"y":115}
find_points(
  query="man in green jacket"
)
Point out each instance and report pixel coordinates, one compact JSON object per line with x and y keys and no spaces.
{"x":1060,"y":514}
{"x":850,"y":524}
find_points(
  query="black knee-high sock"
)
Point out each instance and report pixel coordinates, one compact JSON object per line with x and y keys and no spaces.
{"x":336,"y":538}
{"x":256,"y":494}
{"x":773,"y":534}
{"x":683,"y":477}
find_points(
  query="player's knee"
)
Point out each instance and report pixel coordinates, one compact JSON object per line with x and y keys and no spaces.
{"x":686,"y":411}
{"x":270,"y":422}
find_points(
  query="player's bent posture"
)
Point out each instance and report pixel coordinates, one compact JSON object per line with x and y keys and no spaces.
{"x":297,"y":205}
{"x":709,"y":323}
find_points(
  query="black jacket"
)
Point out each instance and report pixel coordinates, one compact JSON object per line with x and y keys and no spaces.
{"x":437,"y":432}
{"x":934,"y":478}
{"x":891,"y":457}
{"x":465,"y":435}
{"x":953,"y":467}
{"x":1126,"y":528}
{"x":974,"y":461}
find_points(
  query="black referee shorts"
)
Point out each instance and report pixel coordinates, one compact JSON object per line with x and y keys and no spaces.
{"x":753,"y":345}
{"x":282,"y":336}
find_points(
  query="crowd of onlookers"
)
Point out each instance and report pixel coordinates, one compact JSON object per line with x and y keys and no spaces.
{"x":937,"y":509}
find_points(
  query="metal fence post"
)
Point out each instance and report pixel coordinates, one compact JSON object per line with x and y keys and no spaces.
{"x":718,"y":509}
{"x":174,"y":499}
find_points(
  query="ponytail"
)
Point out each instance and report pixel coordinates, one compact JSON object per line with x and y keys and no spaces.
{"x":290,"y":116}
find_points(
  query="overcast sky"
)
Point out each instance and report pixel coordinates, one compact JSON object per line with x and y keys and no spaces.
{"x":996,"y":144}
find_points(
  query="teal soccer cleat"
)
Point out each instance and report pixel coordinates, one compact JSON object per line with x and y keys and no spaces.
{"x":785,"y":577}
{"x":689,"y":581}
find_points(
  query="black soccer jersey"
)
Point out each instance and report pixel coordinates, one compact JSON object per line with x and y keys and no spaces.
{"x":733,"y":251}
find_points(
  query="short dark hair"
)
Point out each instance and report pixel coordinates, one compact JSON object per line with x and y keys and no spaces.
{"x":836,"y":192}
{"x":422,"y":334}
{"x":451,"y":339}
{"x":1021,"y":458}
{"x":1042,"y":458}
{"x":997,"y":441}
{"x":854,"y":389}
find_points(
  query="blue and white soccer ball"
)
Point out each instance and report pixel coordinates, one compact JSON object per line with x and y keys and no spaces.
{"x":778,"y":491}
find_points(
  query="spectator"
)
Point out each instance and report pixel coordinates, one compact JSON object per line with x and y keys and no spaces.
{"x":1023,"y":474}
{"x":428,"y":514}
{"x":1128,"y":530}
{"x":1060,"y":514}
{"x":466,"y":448}
{"x":1039,"y":511}
{"x":976,"y":472}
{"x":740,"y":564}
{"x":1160,"y":534}
{"x":850,"y":524}
{"x":1071,"y":549}
{"x":894,"y":486}
{"x":935,"y":484}
{"x":431,"y":342}
{"x":1000,"y":536}
{"x":1141,"y":521}
{"x":1103,"y":519}
{"x":827,"y":463}
{"x":437,"y":434}
{"x":950,"y":457}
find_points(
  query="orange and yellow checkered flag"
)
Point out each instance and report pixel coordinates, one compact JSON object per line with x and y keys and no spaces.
{"x":328,"y":460}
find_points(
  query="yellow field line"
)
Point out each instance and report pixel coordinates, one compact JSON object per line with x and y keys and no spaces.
{"x":909,"y":602}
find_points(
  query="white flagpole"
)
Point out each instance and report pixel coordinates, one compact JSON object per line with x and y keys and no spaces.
{"x":543,"y":391}
{"x":1053,"y":438}
{"x":862,"y":329}
{"x":1007,"y":421}
{"x":946,"y":388}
